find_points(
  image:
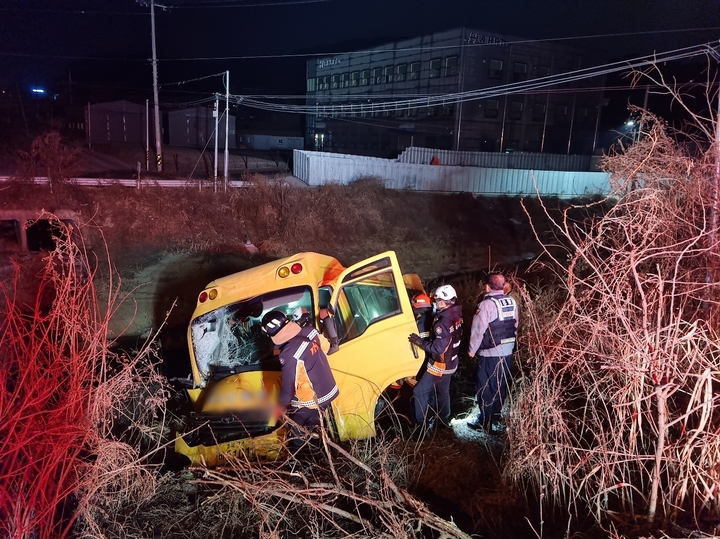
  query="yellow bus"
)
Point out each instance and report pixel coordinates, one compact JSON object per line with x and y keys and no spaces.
{"x":235,"y":373}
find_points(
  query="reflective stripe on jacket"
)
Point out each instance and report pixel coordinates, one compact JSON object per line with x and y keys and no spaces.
{"x":444,"y":341}
{"x":307,"y":381}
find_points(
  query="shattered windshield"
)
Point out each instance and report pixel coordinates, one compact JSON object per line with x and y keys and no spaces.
{"x":230,"y":339}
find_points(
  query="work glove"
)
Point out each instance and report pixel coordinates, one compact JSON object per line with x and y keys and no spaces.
{"x":415,"y":339}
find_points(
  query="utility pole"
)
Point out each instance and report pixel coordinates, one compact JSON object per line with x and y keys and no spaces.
{"x":216,"y":114}
{"x":158,"y":141}
{"x":227,"y":126}
{"x":147,"y":136}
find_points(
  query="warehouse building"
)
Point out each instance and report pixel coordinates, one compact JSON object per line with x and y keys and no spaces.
{"x":353,"y":97}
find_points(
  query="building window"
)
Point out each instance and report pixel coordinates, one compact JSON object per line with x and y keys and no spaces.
{"x":516,"y":110}
{"x":520,"y":71}
{"x":399,"y":113}
{"x":345,"y":79}
{"x":543,"y":71}
{"x":311,"y":85}
{"x":412,"y":112}
{"x":319,"y":83}
{"x":451,"y":66}
{"x":538,"y":112}
{"x":431,"y":111}
{"x":377,"y":75}
{"x":354,"y":78}
{"x":414,"y":71}
{"x":561,"y":113}
{"x":335,"y":81}
{"x":448,"y":110}
{"x":326,"y":82}
{"x":364,"y":77}
{"x":435,"y":66}
{"x":581,"y":115}
{"x":400,"y":72}
{"x":388,"y":74}
{"x":492,"y":106}
{"x":496,"y":69}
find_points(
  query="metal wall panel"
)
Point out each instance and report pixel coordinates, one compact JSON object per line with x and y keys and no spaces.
{"x":318,"y":168}
{"x":528,"y":161}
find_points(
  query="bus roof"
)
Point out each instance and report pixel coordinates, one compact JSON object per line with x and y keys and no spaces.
{"x":316,"y":268}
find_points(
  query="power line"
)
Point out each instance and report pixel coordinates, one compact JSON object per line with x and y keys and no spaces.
{"x":432,"y":48}
{"x":330,"y":53}
{"x":71,"y":12}
{"x":233,"y":5}
{"x":513,"y":88}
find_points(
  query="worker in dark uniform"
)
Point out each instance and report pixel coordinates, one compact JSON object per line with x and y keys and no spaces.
{"x":308,"y":385}
{"x":492,"y":341}
{"x":442,"y":346}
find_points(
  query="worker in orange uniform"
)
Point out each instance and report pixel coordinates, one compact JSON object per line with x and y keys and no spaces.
{"x":308,"y":385}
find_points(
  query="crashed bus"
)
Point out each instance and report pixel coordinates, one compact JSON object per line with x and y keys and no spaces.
{"x":364,"y":311}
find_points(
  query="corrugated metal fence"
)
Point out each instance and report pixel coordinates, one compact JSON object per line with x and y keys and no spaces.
{"x":519,"y":160}
{"x":318,"y":168}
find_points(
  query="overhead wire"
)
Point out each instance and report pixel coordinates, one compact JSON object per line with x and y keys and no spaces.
{"x":432,"y":47}
{"x":540,"y":83}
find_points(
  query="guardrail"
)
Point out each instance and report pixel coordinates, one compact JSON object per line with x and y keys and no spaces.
{"x":130,"y":182}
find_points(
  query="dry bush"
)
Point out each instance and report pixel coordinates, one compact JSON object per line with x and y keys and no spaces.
{"x":64,"y":394}
{"x":48,"y":156}
{"x":618,"y":415}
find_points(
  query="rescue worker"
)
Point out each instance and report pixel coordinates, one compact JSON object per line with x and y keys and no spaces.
{"x":301,"y":316}
{"x":308,"y":385}
{"x":492,"y":340}
{"x":442,"y":346}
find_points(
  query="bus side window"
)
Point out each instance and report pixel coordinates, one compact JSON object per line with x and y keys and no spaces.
{"x":364,"y":302}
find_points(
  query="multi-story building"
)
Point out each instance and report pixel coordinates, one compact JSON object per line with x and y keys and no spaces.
{"x":381,"y":100}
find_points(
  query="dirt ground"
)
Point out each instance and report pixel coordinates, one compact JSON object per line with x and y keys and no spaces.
{"x":164,"y":246}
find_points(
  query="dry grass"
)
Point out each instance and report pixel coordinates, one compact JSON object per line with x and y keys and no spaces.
{"x":428,"y":231}
{"x":64,"y":396}
{"x":619,"y":413}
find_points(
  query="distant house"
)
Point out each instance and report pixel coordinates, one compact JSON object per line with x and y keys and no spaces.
{"x":195,"y":127}
{"x":115,"y":121}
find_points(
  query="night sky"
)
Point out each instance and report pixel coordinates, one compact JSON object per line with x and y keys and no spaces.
{"x":107,"y":42}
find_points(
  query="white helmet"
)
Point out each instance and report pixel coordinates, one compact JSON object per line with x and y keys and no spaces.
{"x":446,"y":293}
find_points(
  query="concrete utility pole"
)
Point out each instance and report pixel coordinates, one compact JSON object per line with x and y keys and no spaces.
{"x":216,"y":114}
{"x":158,"y":138}
{"x":227,"y":125}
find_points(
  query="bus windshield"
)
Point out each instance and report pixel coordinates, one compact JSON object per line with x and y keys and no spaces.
{"x":230,"y":340}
